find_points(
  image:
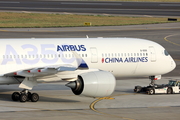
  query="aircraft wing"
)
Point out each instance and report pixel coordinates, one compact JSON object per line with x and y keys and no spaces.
{"x":50,"y":69}
{"x":40,"y":71}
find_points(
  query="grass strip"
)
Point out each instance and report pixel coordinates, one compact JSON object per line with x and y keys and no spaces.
{"x":37,"y":20}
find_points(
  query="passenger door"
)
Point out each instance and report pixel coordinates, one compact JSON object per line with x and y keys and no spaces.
{"x":152,"y":54}
{"x":94,"y":55}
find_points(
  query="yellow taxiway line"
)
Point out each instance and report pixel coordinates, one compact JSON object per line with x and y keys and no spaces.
{"x":92,"y":107}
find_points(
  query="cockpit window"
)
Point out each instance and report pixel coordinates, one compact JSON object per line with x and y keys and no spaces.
{"x":166,"y":53}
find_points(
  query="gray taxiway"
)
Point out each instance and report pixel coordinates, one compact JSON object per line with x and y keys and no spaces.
{"x":93,"y":7}
{"x":58,"y":102}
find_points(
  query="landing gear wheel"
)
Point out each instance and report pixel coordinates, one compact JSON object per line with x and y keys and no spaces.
{"x":23,"y":97}
{"x":137,"y":89}
{"x":29,"y":96}
{"x":15,"y":96}
{"x":34,"y":97}
{"x":150,"y":92}
{"x":169,"y":91}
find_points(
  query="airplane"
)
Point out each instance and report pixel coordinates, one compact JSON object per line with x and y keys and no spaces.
{"x":90,"y":65}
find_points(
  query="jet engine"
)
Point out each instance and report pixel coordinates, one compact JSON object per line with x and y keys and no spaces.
{"x":93,"y":84}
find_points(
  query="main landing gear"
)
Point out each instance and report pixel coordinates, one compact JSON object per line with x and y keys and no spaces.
{"x":24,"y":96}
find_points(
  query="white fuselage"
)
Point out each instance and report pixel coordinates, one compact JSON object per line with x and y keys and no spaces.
{"x":123,"y":57}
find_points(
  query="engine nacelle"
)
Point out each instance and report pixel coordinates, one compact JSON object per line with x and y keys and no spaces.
{"x":94,"y":84}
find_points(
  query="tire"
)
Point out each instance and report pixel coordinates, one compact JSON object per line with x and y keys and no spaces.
{"x":15,"y":96}
{"x":151,"y":92}
{"x":23,"y":98}
{"x":169,"y":91}
{"x":137,"y":89}
{"x":29,"y":96}
{"x":34,"y":97}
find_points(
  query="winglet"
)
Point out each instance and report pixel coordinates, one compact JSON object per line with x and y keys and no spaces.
{"x":80,"y":62}
{"x":83,"y":65}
